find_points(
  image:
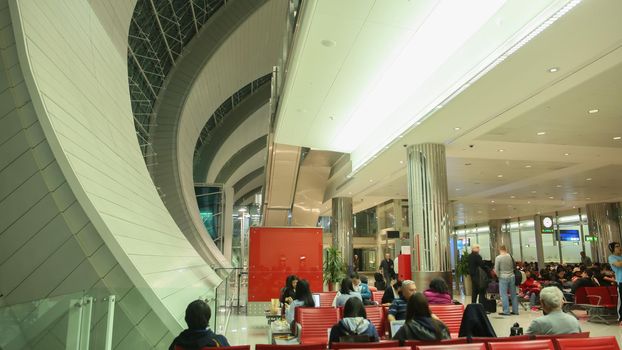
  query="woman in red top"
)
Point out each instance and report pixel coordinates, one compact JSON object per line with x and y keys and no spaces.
{"x":530,"y":289}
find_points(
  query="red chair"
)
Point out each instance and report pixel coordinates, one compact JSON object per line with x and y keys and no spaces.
{"x":523,"y":345}
{"x":603,"y":307}
{"x":563,"y":336}
{"x":373,"y":289}
{"x":596,"y":343}
{"x":414,"y":343}
{"x":377,"y":296}
{"x":376,"y":317}
{"x":451,"y":315}
{"x":287,"y":347}
{"x":473,"y":346}
{"x":391,"y":348}
{"x":498,"y":339}
{"x":613,"y":292}
{"x":380,"y":345}
{"x":314,"y":323}
{"x":326,"y":298}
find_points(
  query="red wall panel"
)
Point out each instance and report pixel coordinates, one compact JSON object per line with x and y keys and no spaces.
{"x":276,"y":252}
{"x":403,"y":265}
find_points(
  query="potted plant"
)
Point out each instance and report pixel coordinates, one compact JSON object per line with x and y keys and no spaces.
{"x":334,"y":269}
{"x":462,"y":270}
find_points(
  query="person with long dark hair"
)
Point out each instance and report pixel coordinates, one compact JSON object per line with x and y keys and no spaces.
{"x":419,"y":324}
{"x":288,"y":293}
{"x":354,"y":326}
{"x":346,"y":292}
{"x":303,"y":297}
{"x":438,"y":293}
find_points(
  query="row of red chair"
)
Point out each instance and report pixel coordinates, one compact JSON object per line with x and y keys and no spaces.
{"x":556,"y":343}
{"x":314,"y":322}
{"x":600,"y":303}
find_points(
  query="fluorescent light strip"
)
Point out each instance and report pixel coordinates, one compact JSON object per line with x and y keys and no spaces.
{"x":432,"y":107}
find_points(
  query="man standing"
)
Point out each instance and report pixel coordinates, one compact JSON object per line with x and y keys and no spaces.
{"x":615,"y":260}
{"x":387,"y":268}
{"x":585,"y":260}
{"x":479,"y":275}
{"x":504,"y":267}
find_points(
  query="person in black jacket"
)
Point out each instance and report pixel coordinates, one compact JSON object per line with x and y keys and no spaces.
{"x":419,"y":324}
{"x":386,"y":267}
{"x":354,"y":324}
{"x":198,"y":335}
{"x":288,"y":293}
{"x":478,"y":281}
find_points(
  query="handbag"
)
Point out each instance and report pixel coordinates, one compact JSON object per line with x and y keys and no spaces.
{"x":482,"y":278}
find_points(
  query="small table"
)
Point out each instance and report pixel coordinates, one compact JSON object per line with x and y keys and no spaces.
{"x":271,"y":316}
{"x":277,"y":332}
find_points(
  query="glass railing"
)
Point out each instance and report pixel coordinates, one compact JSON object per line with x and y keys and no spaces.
{"x":230,"y":297}
{"x":70,"y":321}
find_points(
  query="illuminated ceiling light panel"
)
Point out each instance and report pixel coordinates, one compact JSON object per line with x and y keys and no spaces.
{"x":445,"y":47}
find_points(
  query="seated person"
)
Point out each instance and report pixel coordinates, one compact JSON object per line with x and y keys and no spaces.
{"x":302,"y":298}
{"x":586,"y":280}
{"x":346,"y":292}
{"x":576,"y":274}
{"x":289,"y":291}
{"x":530,"y":289}
{"x":198,"y":335}
{"x":391,"y":292}
{"x":438,"y":293}
{"x":554,"y":320}
{"x":420,"y":324}
{"x":362,"y":288}
{"x":397,"y":310}
{"x":354,"y":323}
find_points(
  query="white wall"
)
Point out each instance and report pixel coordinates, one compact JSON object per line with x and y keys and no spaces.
{"x":107,"y":228}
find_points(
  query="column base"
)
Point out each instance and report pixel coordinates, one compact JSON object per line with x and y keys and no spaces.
{"x":422,"y":279}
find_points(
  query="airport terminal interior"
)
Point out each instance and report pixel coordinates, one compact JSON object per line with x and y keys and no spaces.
{"x":242,"y":167}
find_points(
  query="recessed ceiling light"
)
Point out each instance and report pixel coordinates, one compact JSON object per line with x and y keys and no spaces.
{"x":528,"y":202}
{"x":588,"y":179}
{"x":588,"y":198}
{"x":566,"y":154}
{"x":618,"y":138}
{"x":418,"y":123}
{"x":401,"y":162}
{"x":370,"y":180}
{"x":349,"y":192}
{"x":593,"y":111}
{"x":528,"y":166}
{"x":533,"y":191}
{"x":500,"y":175}
{"x":551,"y":197}
{"x":439,"y":106}
{"x":575,"y":193}
{"x":458,"y":189}
{"x":500,"y":150}
{"x":558,"y":186}
{"x":457,"y":128}
{"x":512,"y":197}
{"x":540,"y":133}
{"x":492,"y":201}
{"x":553,"y":69}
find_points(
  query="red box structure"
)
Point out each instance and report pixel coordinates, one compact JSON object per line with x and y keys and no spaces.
{"x":276,"y":252}
{"x":404,"y":268}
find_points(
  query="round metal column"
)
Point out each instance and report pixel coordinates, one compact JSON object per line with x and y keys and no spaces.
{"x":603,"y":220}
{"x":430,"y":223}
{"x":499,"y":237}
{"x":342,"y":228}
